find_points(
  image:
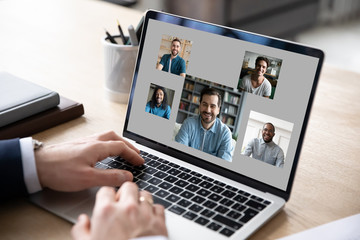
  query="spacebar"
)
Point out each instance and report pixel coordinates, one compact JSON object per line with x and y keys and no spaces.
{"x":160,"y":201}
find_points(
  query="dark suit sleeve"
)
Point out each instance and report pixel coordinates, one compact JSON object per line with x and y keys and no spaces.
{"x":11,"y":177}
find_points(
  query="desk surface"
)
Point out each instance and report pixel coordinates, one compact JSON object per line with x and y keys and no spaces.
{"x":57,"y":44}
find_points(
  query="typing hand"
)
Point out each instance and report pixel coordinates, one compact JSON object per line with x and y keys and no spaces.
{"x":70,"y":166}
{"x":123,"y":215}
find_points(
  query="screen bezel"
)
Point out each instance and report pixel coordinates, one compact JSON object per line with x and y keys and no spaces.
{"x":241,"y":35}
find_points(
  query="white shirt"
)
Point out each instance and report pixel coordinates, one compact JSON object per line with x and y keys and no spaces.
{"x":263,"y":90}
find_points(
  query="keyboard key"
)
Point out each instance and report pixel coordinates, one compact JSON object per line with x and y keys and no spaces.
{"x":115,"y":164}
{"x":214,"y":226}
{"x":195,"y":180}
{"x":187,"y":194}
{"x":217,"y":189}
{"x":161,"y":201}
{"x":184,"y":203}
{"x":249,"y":214}
{"x":246,"y":194}
{"x":255,"y":205}
{"x":176,"y":209}
{"x":141,"y":184}
{"x":196,"y":208}
{"x":171,"y":179}
{"x":145,"y":176}
{"x":160,"y":174}
{"x":165,"y":185}
{"x":219,"y":183}
{"x":206,"y":184}
{"x":238,"y":207}
{"x":173,"y":171}
{"x":162,"y":193}
{"x":101,"y":166}
{"x":185,"y":169}
{"x":163,"y":167}
{"x":153,"y":163}
{"x":184,"y":176}
{"x":181,"y":183}
{"x":227,"y":202}
{"x":227,"y":232}
{"x":173,"y":198}
{"x":210,"y":204}
{"x":176,"y":190}
{"x":256,"y":198}
{"x":221,"y":209}
{"x":233,"y":214}
{"x":150,"y":170}
{"x":208,"y":179}
{"x":198,"y":199}
{"x":190,"y":215}
{"x":207,"y":213}
{"x":202,"y":221}
{"x":234,"y":189}
{"x":203,"y":192}
{"x":227,"y":221}
{"x":228,"y":194}
{"x":106,"y":160}
{"x":151,"y":189}
{"x":266,"y":202}
{"x":192,"y":188}
{"x":154,"y":181}
{"x":240,"y":198}
{"x":215,"y":197}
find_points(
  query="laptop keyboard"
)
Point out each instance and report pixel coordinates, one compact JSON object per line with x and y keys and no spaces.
{"x":194,"y":196}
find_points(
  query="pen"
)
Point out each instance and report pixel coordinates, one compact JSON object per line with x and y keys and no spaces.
{"x":139,"y":27}
{"x":132,"y":35}
{"x":121,"y":33}
{"x":111,"y":39}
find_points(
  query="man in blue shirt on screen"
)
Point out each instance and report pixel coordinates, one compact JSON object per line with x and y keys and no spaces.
{"x":173,"y":62}
{"x":206,"y":132}
{"x":158,"y":105}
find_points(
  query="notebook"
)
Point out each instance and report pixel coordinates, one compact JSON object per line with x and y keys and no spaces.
{"x":223,"y":168}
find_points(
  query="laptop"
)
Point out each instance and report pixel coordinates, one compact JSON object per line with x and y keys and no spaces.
{"x":241,"y":175}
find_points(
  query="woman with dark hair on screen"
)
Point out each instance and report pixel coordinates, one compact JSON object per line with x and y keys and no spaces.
{"x":158,"y":104}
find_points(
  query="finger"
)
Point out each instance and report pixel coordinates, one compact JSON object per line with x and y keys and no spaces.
{"x":104,"y":196}
{"x":129,"y":193}
{"x":109,"y":177}
{"x":81,"y":230}
{"x":111,"y":135}
{"x":146,"y":198}
{"x":118,"y":148}
{"x":159,"y":210}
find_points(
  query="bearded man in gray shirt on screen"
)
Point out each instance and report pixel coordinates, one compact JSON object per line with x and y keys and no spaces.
{"x":264,"y":149}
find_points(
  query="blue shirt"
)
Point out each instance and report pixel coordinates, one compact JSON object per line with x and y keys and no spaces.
{"x":159,"y":111}
{"x":216,"y":140}
{"x":177,"y":64}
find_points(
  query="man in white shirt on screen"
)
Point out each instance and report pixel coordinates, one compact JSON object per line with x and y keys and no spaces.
{"x":264,"y":149}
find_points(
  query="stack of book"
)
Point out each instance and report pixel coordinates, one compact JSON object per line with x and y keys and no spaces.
{"x":27,"y":108}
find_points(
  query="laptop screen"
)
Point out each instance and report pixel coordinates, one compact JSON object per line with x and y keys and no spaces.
{"x":222,"y":98}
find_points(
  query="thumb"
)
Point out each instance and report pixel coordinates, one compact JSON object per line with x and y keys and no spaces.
{"x":111,"y":177}
{"x":81,"y":230}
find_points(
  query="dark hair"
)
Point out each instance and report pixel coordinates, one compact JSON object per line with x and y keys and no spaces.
{"x":176,"y":40}
{"x":153,"y":98}
{"x":211,"y":91}
{"x":258,"y":59}
{"x":269,"y":124}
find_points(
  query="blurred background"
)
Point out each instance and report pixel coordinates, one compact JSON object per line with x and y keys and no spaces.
{"x":331,"y":25}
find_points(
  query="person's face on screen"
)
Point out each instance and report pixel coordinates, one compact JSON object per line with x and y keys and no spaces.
{"x":268,"y":133}
{"x":260,"y":68}
{"x":209,"y":109}
{"x":159,"y":96}
{"x":175,"y":48}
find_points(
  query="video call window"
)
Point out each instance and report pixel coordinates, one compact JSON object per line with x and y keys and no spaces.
{"x":218,"y":137}
{"x":259,"y":74}
{"x":159,"y":101}
{"x":267,"y":139}
{"x":174,"y":55}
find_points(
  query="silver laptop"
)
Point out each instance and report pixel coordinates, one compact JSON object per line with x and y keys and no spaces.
{"x":226,"y":181}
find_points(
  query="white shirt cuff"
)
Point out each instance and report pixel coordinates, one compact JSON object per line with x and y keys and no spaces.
{"x":159,"y":237}
{"x":29,"y":166}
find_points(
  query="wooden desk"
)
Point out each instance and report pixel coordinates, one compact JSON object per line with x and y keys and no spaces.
{"x":57,"y":44}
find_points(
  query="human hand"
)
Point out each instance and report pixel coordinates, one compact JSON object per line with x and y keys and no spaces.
{"x":125,"y":214}
{"x":70,"y":166}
